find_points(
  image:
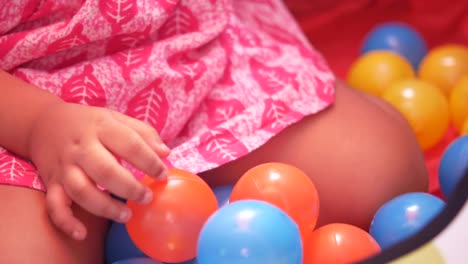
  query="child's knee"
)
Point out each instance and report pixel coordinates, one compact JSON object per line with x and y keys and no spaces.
{"x":380,"y":159}
{"x":25,"y":227}
{"x":397,"y":167}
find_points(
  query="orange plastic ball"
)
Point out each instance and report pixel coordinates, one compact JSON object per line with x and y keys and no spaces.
{"x":146,"y":180}
{"x":167,"y":229}
{"x":444,"y":66}
{"x":458,"y":103}
{"x":464,"y":130}
{"x":374,"y":71}
{"x":339,"y":244}
{"x":424,"y":106}
{"x":284,"y":186}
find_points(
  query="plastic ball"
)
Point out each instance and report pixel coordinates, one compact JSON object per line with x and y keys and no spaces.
{"x":424,"y":106}
{"x":374,"y":71}
{"x":250,"y":232}
{"x":146,"y":180}
{"x":458,"y":103}
{"x":444,"y":66}
{"x":339,"y":243}
{"x":138,"y":261}
{"x":453,"y":165}
{"x":284,"y":186}
{"x":167,"y":229}
{"x":223,"y":193}
{"x":464,"y":130}
{"x":404,"y":216}
{"x":399,"y":38}
{"x":119,"y":246}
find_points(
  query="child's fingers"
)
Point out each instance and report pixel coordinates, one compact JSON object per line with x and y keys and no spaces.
{"x":86,"y":194}
{"x":109,"y":174}
{"x":147,"y":132}
{"x":130,"y":146}
{"x":59,"y":209}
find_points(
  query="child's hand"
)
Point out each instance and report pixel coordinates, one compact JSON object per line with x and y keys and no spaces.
{"x":73,"y":148}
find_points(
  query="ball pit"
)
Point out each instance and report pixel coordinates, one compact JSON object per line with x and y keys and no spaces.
{"x":254,"y":228}
{"x":444,"y":66}
{"x":381,"y":67}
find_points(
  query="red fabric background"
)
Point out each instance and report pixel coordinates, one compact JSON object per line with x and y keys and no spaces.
{"x":337,"y":28}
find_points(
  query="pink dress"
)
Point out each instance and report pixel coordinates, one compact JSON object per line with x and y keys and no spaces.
{"x":216,"y":78}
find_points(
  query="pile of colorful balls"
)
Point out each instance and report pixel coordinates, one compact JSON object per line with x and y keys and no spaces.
{"x":270,"y":214}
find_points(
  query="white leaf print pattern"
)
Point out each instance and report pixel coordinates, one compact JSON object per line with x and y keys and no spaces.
{"x":182,"y":21}
{"x":37,"y":183}
{"x":222,"y":110}
{"x":209,"y":140}
{"x":277,"y":114}
{"x":132,"y":56}
{"x":11,"y":168}
{"x":221,"y":146}
{"x":272,"y":79}
{"x":150,"y":106}
{"x":84,"y":88}
{"x":74,"y":39}
{"x":118,"y":12}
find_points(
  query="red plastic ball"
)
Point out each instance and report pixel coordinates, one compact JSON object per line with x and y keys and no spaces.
{"x":284,"y":186}
{"x":339,"y":244}
{"x":167,"y":229}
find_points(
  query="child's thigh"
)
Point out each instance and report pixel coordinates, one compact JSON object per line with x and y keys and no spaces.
{"x":27,"y":235}
{"x":359,"y":153}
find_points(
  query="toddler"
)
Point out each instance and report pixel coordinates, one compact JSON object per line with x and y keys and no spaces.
{"x":99,"y":92}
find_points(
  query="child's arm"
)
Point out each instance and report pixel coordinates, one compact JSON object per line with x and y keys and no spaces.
{"x":20,"y":105}
{"x":74,"y":147}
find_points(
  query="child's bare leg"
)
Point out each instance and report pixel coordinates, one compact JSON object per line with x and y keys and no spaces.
{"x":360,"y":153}
{"x":27,"y":235}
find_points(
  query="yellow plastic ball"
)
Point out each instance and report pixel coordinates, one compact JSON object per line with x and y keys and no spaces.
{"x":458,"y":103}
{"x":424,"y":106}
{"x":374,"y":71}
{"x":444,"y":66}
{"x":464,"y":130}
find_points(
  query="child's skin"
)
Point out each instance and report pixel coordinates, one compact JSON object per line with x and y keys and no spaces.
{"x":360,"y":153}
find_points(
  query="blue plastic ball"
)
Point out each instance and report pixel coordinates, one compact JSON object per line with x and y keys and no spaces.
{"x":119,"y":245}
{"x":249,"y":232}
{"x":399,"y":38}
{"x":223,"y":193}
{"x":453,"y":165}
{"x":404,"y":216}
{"x":138,"y":261}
